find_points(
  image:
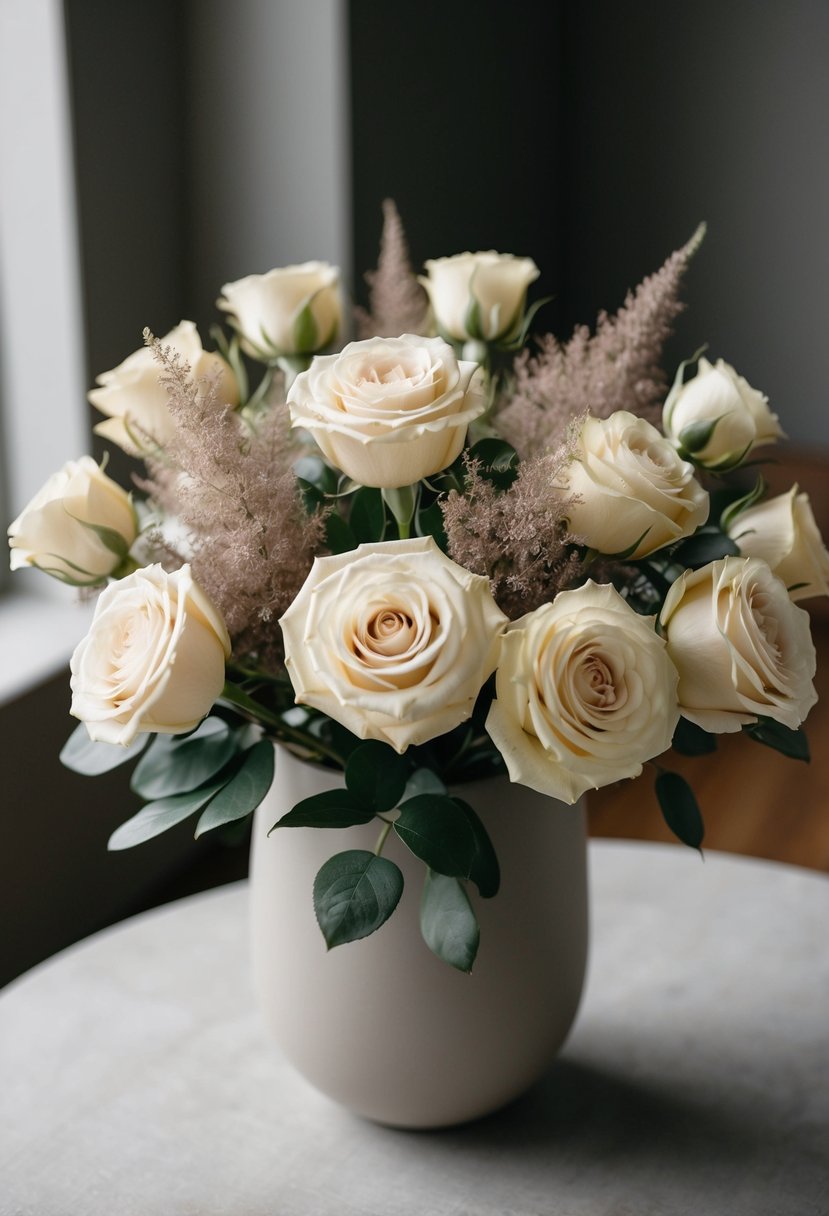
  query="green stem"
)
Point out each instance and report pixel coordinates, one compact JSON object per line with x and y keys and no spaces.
{"x":258,"y":713}
{"x":382,"y":838}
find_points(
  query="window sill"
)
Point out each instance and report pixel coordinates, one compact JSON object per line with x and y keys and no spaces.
{"x":38,"y":633}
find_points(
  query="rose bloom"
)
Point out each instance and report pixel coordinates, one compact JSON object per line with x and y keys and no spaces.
{"x":392,"y":640}
{"x":478,"y":295}
{"x":585,"y":693}
{"x":726,"y":416}
{"x":136,"y":401}
{"x":743,"y":650}
{"x":631,"y":488}
{"x":64,"y":530}
{"x":153,"y":660}
{"x":388,"y":411}
{"x":783,"y":532}
{"x":292,"y":310}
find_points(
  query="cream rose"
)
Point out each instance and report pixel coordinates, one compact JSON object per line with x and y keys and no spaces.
{"x":393,"y":640}
{"x":153,"y":660}
{"x":292,"y":310}
{"x":743,"y":650}
{"x":388,"y":411}
{"x":78,"y":527}
{"x":585,"y":693}
{"x":783,"y":532}
{"x":136,"y":401}
{"x":631,"y":488}
{"x":478,"y":296}
{"x":717,"y":417}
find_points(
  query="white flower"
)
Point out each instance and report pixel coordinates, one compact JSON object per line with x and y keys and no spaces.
{"x":136,"y":401}
{"x":478,"y":295}
{"x":717,"y":417}
{"x":783,"y":532}
{"x":585,"y":694}
{"x":393,"y":640}
{"x":743,"y":650}
{"x":153,"y":660}
{"x":388,"y":411}
{"x":292,"y":310}
{"x":633,"y":492}
{"x":78,"y":527}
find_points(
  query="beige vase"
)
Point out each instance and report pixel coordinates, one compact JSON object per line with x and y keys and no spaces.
{"x":381,"y":1025}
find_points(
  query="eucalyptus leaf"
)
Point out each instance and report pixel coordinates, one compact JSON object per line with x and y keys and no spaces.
{"x":172,"y":765}
{"x":429,"y":522}
{"x":679,"y":808}
{"x":244,"y":791}
{"x":338,"y":534}
{"x":706,"y":545}
{"x":367,"y":517}
{"x":314,"y":471}
{"x":90,"y":759}
{"x":375,"y":776}
{"x":447,"y":921}
{"x":354,"y":894}
{"x":791,"y":743}
{"x":330,"y":809}
{"x":499,"y":461}
{"x":485,"y":871}
{"x":423,"y":781}
{"x":157,"y":817}
{"x":439,"y":832}
{"x":691,"y":740}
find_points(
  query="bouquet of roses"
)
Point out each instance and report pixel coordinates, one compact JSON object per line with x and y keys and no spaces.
{"x":445,"y":551}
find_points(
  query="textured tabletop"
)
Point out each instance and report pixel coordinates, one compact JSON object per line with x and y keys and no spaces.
{"x":135,"y":1078}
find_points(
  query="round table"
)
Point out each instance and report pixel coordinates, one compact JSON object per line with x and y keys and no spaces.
{"x":136,"y":1078}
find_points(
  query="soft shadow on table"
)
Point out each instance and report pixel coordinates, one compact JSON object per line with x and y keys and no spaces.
{"x":585,"y":1114}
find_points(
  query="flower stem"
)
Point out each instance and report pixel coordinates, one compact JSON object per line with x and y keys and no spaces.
{"x":382,"y":838}
{"x":281,"y":730}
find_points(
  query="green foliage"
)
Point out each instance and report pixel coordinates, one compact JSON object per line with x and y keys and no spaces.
{"x":367,"y":516}
{"x":691,"y":740}
{"x":679,"y":808}
{"x":330,"y":809}
{"x":499,"y":461}
{"x":792,"y":743}
{"x":485,"y":871}
{"x":708,"y":544}
{"x":354,"y":894}
{"x":244,"y":791}
{"x":175,"y":763}
{"x":90,"y":759}
{"x":735,"y":508}
{"x":157,"y":817}
{"x":447,"y":921}
{"x":376,"y":776}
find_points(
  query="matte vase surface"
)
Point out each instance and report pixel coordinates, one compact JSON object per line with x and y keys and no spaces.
{"x":383,"y":1026}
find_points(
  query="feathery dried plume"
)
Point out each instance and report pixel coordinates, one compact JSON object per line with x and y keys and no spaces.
{"x":398,"y":304}
{"x":518,"y":538}
{"x":617,"y":368}
{"x":231,"y":487}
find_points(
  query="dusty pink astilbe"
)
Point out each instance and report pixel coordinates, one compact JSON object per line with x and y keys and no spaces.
{"x":517,"y":538}
{"x":617,"y":368}
{"x":233,"y":490}
{"x":398,"y":304}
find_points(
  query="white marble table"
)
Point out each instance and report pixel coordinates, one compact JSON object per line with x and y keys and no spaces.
{"x":135,"y":1079}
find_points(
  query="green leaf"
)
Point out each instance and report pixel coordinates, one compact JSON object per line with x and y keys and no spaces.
{"x":706,"y":545}
{"x":157,"y":817}
{"x":305,"y":330}
{"x":485,"y":871}
{"x":429,"y":522}
{"x":244,"y":791}
{"x":791,"y":743}
{"x":338,"y":535}
{"x":679,"y":808}
{"x":330,"y":809}
{"x":697,"y":435}
{"x":90,"y":759}
{"x":447,"y":922}
{"x":499,"y":461}
{"x":367,"y":517}
{"x":438,"y":831}
{"x":376,"y":776}
{"x":423,"y":781}
{"x":314,"y":471}
{"x":737,"y":507}
{"x":354,"y":894}
{"x":173,"y":765}
{"x":691,"y":740}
